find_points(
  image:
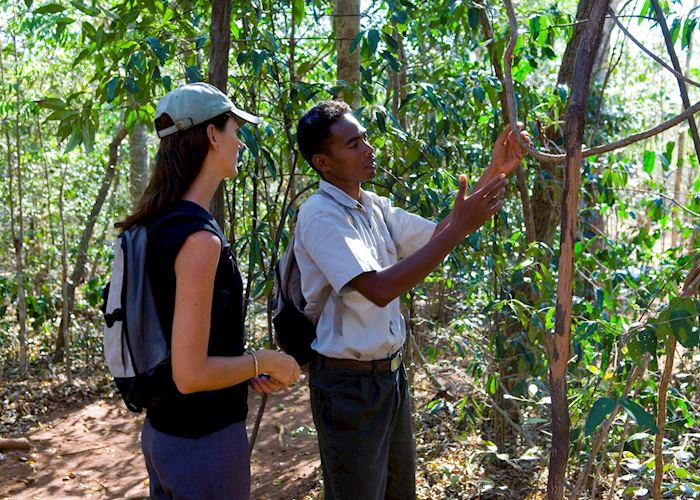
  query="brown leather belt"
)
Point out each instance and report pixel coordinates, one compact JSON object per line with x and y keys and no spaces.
{"x":388,"y":365}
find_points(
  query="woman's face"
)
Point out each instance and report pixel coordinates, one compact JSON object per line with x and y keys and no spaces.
{"x":228,"y":147}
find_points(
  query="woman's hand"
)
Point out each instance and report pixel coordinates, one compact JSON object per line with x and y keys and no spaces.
{"x":507,"y":151}
{"x":264,"y":384}
{"x":281,"y":367}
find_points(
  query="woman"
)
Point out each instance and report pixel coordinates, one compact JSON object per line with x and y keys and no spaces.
{"x":195,"y":441}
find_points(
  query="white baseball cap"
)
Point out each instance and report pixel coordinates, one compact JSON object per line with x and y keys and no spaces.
{"x":196,"y":103}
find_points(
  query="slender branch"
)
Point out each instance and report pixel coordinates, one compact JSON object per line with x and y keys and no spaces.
{"x":520,"y":174}
{"x":648,"y":52}
{"x":677,"y":66}
{"x":507,"y":82}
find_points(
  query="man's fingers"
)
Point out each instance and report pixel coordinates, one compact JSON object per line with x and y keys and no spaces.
{"x":502,"y":138}
{"x":492,"y":186}
{"x":462,"y":190}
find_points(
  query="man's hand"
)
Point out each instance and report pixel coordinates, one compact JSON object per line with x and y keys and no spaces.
{"x":507,"y":151}
{"x":471,"y":212}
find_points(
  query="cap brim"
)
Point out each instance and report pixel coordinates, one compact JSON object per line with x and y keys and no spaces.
{"x":247,"y":117}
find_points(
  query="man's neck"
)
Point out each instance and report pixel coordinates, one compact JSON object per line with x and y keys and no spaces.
{"x":352,"y":189}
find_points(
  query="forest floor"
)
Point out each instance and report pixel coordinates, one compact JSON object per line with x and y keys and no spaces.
{"x":92,"y":449}
{"x":85,"y":444}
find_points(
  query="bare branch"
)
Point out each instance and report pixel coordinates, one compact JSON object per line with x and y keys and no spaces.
{"x":648,"y":52}
{"x":560,"y":158}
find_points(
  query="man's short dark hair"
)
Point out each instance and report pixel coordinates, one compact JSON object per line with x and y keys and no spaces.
{"x":314,"y":127}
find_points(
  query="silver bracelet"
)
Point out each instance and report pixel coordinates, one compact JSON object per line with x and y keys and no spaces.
{"x":255,"y":360}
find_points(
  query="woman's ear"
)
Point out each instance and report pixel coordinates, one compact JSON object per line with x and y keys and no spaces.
{"x":211,"y":135}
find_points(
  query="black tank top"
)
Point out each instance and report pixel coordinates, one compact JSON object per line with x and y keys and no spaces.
{"x":201,"y":413}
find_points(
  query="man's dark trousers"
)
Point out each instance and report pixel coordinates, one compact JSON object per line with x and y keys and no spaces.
{"x":363,"y":422}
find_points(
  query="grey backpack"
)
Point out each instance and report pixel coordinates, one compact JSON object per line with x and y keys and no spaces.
{"x":136,"y":351}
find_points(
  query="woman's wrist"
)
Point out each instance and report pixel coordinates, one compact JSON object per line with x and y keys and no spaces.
{"x":256,"y":366}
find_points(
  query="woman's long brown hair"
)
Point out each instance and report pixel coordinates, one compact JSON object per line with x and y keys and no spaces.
{"x":178,"y":161}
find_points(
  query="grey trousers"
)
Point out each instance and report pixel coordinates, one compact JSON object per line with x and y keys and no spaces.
{"x":216,"y":466}
{"x":364,"y":431}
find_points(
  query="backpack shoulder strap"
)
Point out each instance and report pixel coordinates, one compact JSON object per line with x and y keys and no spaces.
{"x":209,"y":224}
{"x":347,"y":210}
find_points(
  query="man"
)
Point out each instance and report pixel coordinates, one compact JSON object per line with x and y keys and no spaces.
{"x":369,"y":253}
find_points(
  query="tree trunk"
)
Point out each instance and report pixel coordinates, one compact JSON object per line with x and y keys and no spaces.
{"x":65,"y":333}
{"x":347,"y":27}
{"x":583,"y":13}
{"x":575,"y":121}
{"x":79,"y":269}
{"x":220,"y":34}
{"x":138,"y":161}
{"x":16,"y":220}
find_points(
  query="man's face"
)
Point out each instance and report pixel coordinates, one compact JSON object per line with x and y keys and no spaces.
{"x":348,"y":158}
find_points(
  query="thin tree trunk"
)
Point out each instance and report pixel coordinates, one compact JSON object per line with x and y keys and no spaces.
{"x":138,"y":161}
{"x":79,"y":269}
{"x":17,"y":222}
{"x":690,"y":288}
{"x":575,"y":121}
{"x":678,"y":183}
{"x":682,"y":87}
{"x":347,"y":27}
{"x":220,"y":34}
{"x":64,"y":287}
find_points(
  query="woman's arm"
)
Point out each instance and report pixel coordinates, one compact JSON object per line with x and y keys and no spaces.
{"x":193,"y":369}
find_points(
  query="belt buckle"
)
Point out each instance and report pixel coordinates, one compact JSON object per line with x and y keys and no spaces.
{"x":395,"y":363}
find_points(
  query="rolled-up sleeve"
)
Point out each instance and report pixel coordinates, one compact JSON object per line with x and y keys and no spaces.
{"x":409,"y":231}
{"x":335,"y":246}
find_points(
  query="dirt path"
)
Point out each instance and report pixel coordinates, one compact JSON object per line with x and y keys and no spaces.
{"x":95,"y":452}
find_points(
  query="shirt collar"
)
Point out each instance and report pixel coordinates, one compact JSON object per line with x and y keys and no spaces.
{"x":345,"y":199}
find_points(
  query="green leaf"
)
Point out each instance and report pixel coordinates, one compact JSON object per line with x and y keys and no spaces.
{"x":167,"y":83}
{"x":192,"y":74}
{"x":688,"y":28}
{"x":51,"y":8}
{"x":298,"y":9}
{"x":258,"y":59}
{"x":393,"y":62}
{"x":373,"y":40}
{"x":52,"y":103}
{"x":638,"y":414}
{"x":75,"y":138}
{"x":648,"y":162}
{"x":412,"y":156}
{"x":683,"y":321}
{"x":535,"y":27}
{"x":647,"y":339}
{"x":479,"y":93}
{"x":401,"y":17}
{"x":675,"y":29}
{"x":635,"y":349}
{"x":130,"y":85}
{"x":200,"y":41}
{"x":473,"y":15}
{"x":112,"y":88}
{"x":356,"y":41}
{"x":390,"y":41}
{"x":154,"y":43}
{"x":492,"y":384}
{"x":599,"y":412}
{"x":90,"y":11}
